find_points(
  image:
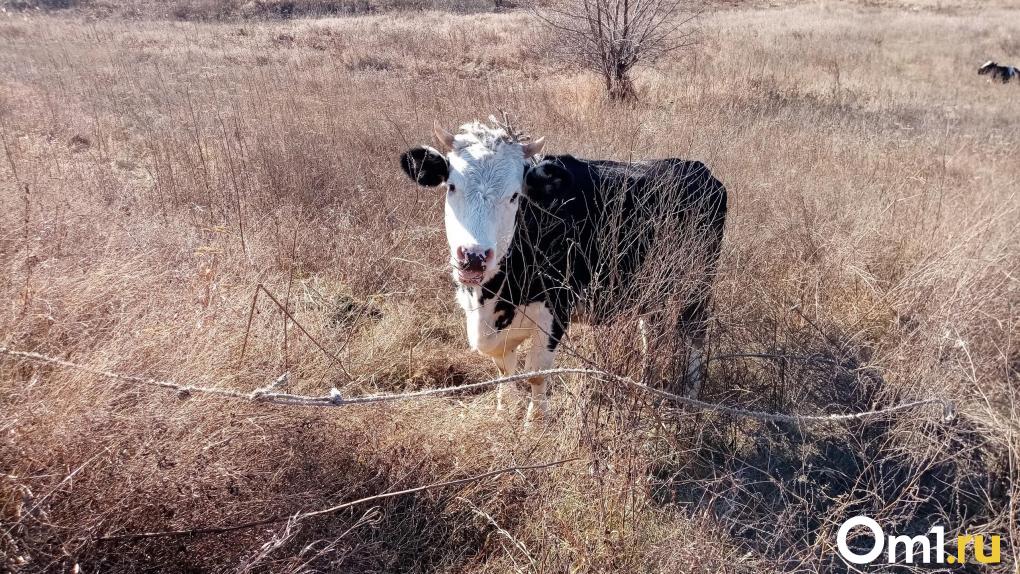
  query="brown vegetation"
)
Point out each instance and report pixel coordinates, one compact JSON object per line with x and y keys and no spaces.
{"x":154,"y":173}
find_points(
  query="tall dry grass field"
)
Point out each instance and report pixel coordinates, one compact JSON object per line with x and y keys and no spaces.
{"x":154,"y":172}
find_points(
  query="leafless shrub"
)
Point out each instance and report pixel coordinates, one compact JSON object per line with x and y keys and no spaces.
{"x":612,"y":37}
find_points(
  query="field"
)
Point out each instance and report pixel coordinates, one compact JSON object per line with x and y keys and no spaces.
{"x":155,"y":171}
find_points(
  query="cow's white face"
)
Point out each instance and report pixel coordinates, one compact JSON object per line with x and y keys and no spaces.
{"x":482,"y":194}
{"x":483,"y":175}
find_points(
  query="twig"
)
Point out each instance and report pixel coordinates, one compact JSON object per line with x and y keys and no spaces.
{"x":335,"y":399}
{"x":286,"y":300}
{"x":776,"y":357}
{"x":261,"y":287}
{"x":297,"y":324}
{"x":302,"y":515}
{"x":247,"y":330}
{"x":499,"y":529}
{"x":280,"y":381}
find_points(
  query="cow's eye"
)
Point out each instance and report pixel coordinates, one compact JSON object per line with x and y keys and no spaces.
{"x":451,"y":188}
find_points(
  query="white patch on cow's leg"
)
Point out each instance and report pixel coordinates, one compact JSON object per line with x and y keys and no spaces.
{"x":643,"y":329}
{"x":501,"y":344}
{"x":645,"y":359}
{"x":539,"y":358}
{"x":695,"y":369}
{"x":538,"y":407}
{"x":499,"y":398}
{"x":507,"y":365}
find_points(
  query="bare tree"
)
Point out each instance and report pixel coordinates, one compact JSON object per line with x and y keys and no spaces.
{"x":611,"y":37}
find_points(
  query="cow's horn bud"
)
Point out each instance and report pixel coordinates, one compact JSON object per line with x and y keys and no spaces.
{"x":444,"y":137}
{"x":534,"y":148}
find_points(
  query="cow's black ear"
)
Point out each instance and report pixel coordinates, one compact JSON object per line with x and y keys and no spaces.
{"x":425,"y":165}
{"x":547,"y":181}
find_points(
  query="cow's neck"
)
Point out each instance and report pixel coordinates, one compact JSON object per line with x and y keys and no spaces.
{"x":529,"y":270}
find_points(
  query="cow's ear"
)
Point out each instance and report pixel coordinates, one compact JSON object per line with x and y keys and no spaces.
{"x":425,"y":165}
{"x":546,"y":181}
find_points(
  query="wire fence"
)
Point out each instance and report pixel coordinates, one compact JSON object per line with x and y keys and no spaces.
{"x":269,"y":393}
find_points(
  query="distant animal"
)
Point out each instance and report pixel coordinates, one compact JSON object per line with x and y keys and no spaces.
{"x":527,"y":233}
{"x":997,"y":72}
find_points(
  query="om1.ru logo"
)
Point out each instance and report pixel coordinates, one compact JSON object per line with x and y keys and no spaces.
{"x":911,"y":546}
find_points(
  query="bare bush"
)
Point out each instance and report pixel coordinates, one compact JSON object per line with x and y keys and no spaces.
{"x":611,"y":37}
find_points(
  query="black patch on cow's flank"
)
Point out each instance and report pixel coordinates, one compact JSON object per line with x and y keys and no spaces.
{"x":556,"y":253}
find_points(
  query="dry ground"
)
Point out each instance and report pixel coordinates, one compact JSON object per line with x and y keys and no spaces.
{"x":155,"y":172}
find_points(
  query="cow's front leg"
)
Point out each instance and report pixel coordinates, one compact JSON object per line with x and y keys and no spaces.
{"x":541,"y":356}
{"x":695,"y":368}
{"x":507,"y":365}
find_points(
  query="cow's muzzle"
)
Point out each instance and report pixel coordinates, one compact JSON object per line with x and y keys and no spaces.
{"x":471,"y":263}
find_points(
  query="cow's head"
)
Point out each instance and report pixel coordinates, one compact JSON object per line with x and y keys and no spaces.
{"x":482,"y":169}
{"x":987,"y":67}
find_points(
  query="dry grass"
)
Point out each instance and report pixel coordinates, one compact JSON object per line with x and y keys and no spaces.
{"x":155,"y":172}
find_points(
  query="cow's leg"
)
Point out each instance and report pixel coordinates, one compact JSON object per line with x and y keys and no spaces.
{"x":643,"y":330}
{"x":695,"y":317}
{"x":541,"y":356}
{"x":696,"y":368}
{"x":503,"y":352}
{"x":694,"y":325}
{"x":507,"y":365}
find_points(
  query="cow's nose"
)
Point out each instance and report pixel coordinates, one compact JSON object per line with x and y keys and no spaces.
{"x":473,"y":259}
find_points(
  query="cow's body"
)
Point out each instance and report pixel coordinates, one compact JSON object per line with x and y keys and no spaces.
{"x":997,"y":72}
{"x":559,"y":257}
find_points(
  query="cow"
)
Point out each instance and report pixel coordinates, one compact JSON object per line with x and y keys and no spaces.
{"x":526,"y":240}
{"x":1001,"y":73}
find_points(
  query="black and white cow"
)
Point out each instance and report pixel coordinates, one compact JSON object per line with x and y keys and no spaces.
{"x":526,"y":241}
{"x":997,"y":72}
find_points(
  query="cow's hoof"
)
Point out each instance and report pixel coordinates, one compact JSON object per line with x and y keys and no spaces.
{"x":536,"y":424}
{"x":693,"y":390}
{"x":536,"y":415}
